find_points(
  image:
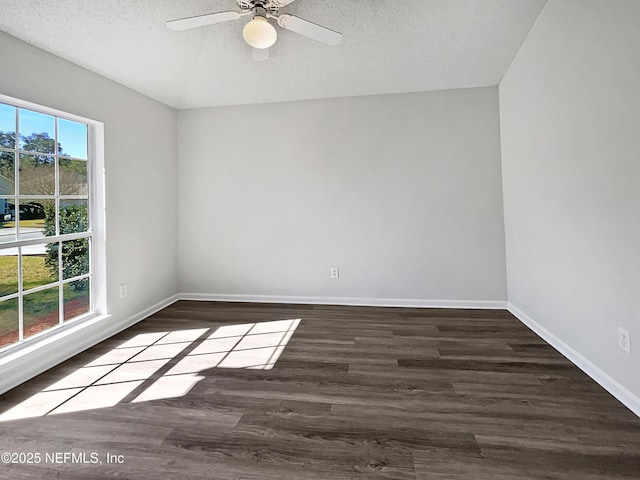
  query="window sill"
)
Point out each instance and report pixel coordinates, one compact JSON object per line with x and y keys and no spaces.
{"x":23,"y":361}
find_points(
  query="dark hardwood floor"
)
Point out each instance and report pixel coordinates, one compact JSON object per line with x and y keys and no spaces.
{"x":356,"y":393}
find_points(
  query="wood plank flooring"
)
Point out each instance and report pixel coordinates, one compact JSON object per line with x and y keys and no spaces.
{"x":356,"y":393}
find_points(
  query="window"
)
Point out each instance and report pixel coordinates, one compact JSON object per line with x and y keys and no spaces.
{"x":47,"y":228}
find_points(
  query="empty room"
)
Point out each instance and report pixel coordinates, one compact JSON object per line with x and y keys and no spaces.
{"x":320,"y":240}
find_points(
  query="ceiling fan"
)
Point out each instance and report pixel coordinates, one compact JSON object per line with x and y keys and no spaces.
{"x":258,"y":32}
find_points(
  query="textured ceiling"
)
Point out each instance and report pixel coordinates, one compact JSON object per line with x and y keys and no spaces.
{"x":389,"y":46}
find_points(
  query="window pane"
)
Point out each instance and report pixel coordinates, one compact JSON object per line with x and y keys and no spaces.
{"x":49,"y":155}
{"x":37,"y":175}
{"x":76,"y":298}
{"x":8,"y":271}
{"x":40,"y":311}
{"x":39,"y":265}
{"x":7,"y":173}
{"x":37,"y":218}
{"x":9,"y":322}
{"x":73,"y":177}
{"x":7,"y":220}
{"x":7,"y":126}
{"x":37,"y":132}
{"x":73,"y":216}
{"x":72,"y":139}
{"x":75,"y":258}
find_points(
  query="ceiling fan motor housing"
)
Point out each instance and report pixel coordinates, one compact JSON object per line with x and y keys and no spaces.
{"x":259,"y":11}
{"x":268,"y":6}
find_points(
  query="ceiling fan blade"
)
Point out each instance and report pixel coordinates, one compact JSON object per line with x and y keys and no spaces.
{"x":260,"y":54}
{"x":202,"y":20}
{"x":309,"y":29}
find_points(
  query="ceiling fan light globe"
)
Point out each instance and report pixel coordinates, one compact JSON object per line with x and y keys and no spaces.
{"x":259,"y":33}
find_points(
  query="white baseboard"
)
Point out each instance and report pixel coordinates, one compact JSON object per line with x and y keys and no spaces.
{"x":355,"y":301}
{"x":25,"y":363}
{"x":28,"y":360}
{"x":626,"y":397}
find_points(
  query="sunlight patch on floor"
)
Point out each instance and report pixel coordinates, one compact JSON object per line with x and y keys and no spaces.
{"x":159,"y":365}
{"x":250,"y":346}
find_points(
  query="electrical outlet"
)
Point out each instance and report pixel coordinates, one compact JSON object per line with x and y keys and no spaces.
{"x":624,"y":339}
{"x":335,"y":272}
{"x":123,"y":290}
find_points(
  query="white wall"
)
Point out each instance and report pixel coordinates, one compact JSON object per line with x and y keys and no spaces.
{"x":140,"y":161}
{"x":570,"y":116}
{"x":402,"y":192}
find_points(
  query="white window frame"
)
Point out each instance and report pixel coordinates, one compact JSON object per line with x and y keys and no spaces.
{"x":96,"y":229}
